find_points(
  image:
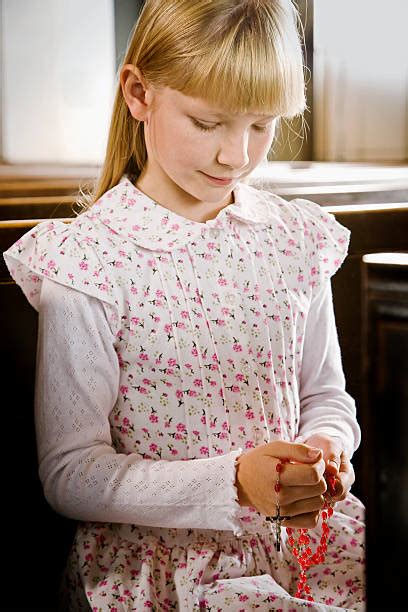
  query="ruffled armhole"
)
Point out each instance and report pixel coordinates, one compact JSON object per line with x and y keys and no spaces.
{"x":56,"y":251}
{"x":326,"y":242}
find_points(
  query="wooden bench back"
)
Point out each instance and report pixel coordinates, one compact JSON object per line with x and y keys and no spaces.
{"x":37,"y":180}
{"x":35,"y":539}
{"x":41,"y":207}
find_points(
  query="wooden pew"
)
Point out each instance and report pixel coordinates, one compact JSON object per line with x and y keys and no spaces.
{"x":37,"y":191}
{"x":374,"y":228}
{"x":41,"y":207}
{"x":36,"y":171}
{"x":35,"y":540}
{"x":36,"y":180}
{"x":385,"y":422}
{"x":20,"y":189}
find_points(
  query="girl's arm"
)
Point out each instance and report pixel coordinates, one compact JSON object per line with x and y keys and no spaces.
{"x":325,"y":406}
{"x":82,"y":475}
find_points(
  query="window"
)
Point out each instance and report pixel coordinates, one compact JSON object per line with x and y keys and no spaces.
{"x":58,"y":77}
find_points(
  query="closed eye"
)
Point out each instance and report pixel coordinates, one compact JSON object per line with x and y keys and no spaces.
{"x":203,"y":126}
{"x":209,"y":128}
{"x":261,"y":128}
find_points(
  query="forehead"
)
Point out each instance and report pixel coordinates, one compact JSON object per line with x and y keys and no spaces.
{"x":192,"y":104}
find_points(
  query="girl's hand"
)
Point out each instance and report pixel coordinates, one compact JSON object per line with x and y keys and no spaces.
{"x":346,"y":478}
{"x":302,"y":482}
{"x":337,"y":463}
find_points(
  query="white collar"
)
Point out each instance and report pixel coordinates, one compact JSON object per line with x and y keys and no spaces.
{"x":131,"y":213}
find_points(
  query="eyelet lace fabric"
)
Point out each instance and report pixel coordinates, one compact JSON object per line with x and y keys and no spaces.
{"x":166,"y":348}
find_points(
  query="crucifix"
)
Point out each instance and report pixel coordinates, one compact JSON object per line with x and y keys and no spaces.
{"x":277,"y":519}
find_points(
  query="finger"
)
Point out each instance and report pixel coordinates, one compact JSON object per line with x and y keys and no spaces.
{"x":299,"y":474}
{"x":333,"y":460}
{"x":293,"y":451}
{"x":347,"y":467}
{"x":312,"y":504}
{"x":345,"y":479}
{"x":288,"y":495}
{"x":344,"y":483}
{"x":303,"y":521}
{"x":341,"y":490}
{"x":331,"y":448}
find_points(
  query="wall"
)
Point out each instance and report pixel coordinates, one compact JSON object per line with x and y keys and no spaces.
{"x":126,"y":14}
{"x":360,"y":80}
{"x":58,"y":77}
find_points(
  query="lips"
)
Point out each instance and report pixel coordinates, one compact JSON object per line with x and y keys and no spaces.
{"x":217,"y":181}
{"x":221,"y":178}
{"x":221,"y":182}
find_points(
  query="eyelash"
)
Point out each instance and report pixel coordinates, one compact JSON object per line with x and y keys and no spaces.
{"x":208,"y":128}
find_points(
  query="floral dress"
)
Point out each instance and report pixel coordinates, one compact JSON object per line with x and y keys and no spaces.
{"x":167,"y":347}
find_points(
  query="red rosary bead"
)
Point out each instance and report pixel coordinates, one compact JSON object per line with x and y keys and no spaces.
{"x":300,"y":545}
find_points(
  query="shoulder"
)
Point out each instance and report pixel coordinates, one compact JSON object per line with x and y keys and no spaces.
{"x":298,"y":214}
{"x":81,"y":254}
{"x":307,"y":227}
{"x":68,"y":253}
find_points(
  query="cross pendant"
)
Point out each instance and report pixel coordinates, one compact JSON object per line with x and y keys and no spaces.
{"x":278,"y":526}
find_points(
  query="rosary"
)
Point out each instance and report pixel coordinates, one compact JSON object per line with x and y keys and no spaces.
{"x":299,"y":545}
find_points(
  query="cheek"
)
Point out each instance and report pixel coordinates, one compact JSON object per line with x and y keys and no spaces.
{"x":262,"y":145}
{"x":168,"y":145}
{"x":191,"y":149}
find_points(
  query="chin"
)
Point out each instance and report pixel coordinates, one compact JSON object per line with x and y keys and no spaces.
{"x":205,"y":194}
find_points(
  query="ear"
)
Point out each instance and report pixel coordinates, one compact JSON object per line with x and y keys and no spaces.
{"x":135,"y":92}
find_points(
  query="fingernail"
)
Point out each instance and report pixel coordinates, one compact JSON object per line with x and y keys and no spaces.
{"x":313,"y":452}
{"x":334,"y":463}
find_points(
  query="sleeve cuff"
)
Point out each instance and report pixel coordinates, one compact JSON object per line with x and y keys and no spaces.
{"x":232,"y":508}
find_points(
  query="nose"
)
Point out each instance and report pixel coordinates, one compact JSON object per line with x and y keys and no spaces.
{"x":234,"y":151}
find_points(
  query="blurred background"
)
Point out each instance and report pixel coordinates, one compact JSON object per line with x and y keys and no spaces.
{"x":59,"y":61}
{"x":59,"y":73}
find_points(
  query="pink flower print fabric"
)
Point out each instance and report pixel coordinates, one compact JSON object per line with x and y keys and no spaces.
{"x":208,"y":322}
{"x":218,"y":573}
{"x":62,"y":252}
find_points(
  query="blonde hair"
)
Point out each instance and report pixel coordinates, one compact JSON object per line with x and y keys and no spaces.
{"x":241,"y":55}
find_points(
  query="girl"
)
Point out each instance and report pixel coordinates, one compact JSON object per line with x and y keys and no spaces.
{"x":187,"y":343}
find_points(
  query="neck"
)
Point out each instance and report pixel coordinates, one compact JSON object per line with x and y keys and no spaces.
{"x":169,"y":195}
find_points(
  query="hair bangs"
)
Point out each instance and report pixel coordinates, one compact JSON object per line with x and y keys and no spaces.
{"x":242,"y":84}
{"x":246,"y":67}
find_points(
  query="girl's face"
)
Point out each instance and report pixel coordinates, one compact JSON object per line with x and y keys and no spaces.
{"x":188,"y":142}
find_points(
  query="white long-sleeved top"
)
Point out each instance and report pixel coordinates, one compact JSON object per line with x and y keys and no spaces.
{"x":150,"y":383}
{"x":77,"y":386}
